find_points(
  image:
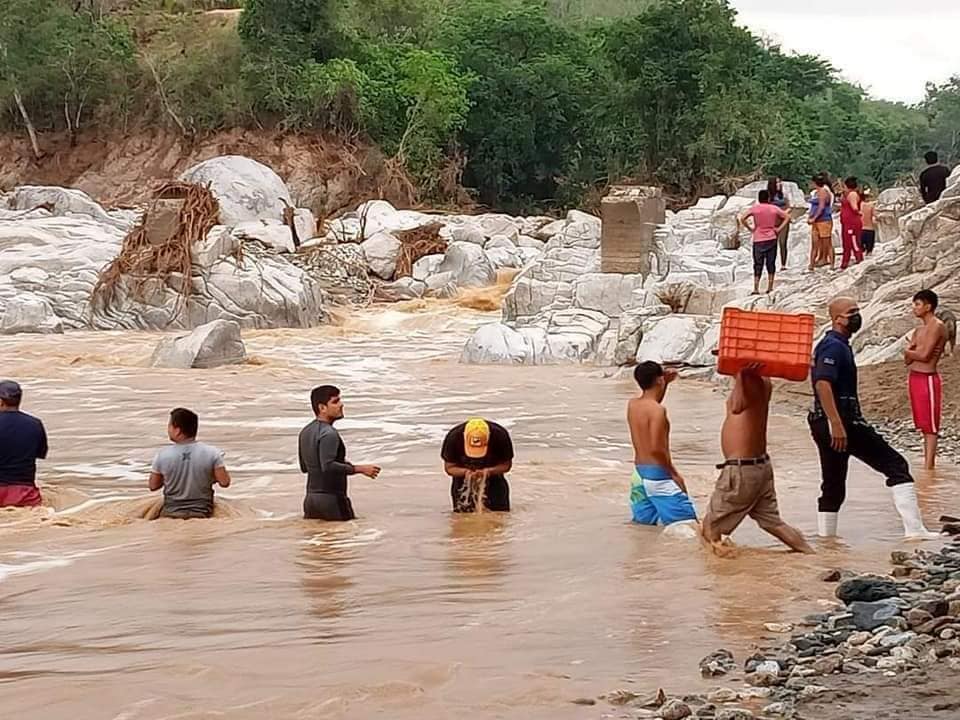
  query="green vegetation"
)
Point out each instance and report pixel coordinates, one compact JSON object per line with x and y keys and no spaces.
{"x":538,"y":102}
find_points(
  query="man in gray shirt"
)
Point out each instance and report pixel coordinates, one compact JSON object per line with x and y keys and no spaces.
{"x":187,"y":470}
{"x":323,"y":457}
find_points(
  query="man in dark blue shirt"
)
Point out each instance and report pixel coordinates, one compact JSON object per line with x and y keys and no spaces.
{"x":22,"y":442}
{"x":839,"y":429}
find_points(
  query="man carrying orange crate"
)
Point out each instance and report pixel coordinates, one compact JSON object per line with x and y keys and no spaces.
{"x":658,"y":494}
{"x":839,"y":429}
{"x":768,"y":222}
{"x":746,"y":486}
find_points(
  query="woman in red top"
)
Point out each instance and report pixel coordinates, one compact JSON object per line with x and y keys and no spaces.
{"x":851,"y":223}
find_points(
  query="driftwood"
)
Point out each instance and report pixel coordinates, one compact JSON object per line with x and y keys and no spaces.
{"x":144,"y":263}
{"x":418,"y":243}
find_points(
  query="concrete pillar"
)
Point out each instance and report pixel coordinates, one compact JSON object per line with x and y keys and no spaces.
{"x":631,"y":214}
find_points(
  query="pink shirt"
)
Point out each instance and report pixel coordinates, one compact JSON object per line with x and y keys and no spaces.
{"x":766,"y":218}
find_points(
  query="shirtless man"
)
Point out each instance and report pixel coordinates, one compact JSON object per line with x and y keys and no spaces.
{"x":745,"y":486}
{"x":868,"y":237}
{"x":925,"y":384}
{"x":658,"y":493}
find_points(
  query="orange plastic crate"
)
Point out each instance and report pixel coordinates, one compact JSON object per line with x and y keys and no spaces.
{"x":783,"y":342}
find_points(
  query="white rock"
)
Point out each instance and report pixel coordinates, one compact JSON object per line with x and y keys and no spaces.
{"x":64,"y":202}
{"x":498,"y":344}
{"x":791,"y":191}
{"x":382,"y":252}
{"x":679,"y":339}
{"x":526,"y":241}
{"x":468,"y":232}
{"x":246,"y":190}
{"x":272,"y":233}
{"x":608,"y":293}
{"x":426,"y":266}
{"x":501,"y":257}
{"x":405,"y":288}
{"x":29,"y":313}
{"x":211,"y":345}
{"x":500,"y":241}
{"x":468,"y":264}
{"x":218,"y":243}
{"x":494,"y":224}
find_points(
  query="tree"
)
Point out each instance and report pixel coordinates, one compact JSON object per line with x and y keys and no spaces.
{"x":942,"y":108}
{"x":293,"y":30}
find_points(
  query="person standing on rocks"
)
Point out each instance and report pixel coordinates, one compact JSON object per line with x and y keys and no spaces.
{"x":768,"y":222}
{"x":23,"y":441}
{"x":779,"y":198}
{"x":868,"y":236}
{"x":746,"y":486}
{"x":840,"y":430}
{"x":187,"y":470}
{"x":851,"y":222}
{"x":820,"y":220}
{"x":323,"y":457}
{"x":658,"y":493}
{"x":477,"y":455}
{"x":933,"y":180}
{"x":925,"y":383}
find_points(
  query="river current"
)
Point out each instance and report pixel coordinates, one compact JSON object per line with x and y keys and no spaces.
{"x":410,"y":611}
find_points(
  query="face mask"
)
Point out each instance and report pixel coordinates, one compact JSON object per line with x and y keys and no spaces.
{"x":854,"y":323}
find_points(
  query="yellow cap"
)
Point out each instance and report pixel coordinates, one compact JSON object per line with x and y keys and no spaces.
{"x":476,"y":438}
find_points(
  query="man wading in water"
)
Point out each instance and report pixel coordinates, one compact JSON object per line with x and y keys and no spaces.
{"x":23,"y":441}
{"x":840,"y":430}
{"x":187,"y":470}
{"x":745,"y":486}
{"x":477,"y":455}
{"x":323,"y":457}
{"x":658,"y":493}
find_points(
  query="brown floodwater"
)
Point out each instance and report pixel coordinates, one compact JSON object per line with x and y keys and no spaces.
{"x":408,"y":612}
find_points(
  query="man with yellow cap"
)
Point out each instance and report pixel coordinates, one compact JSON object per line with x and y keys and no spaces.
{"x":477,"y":455}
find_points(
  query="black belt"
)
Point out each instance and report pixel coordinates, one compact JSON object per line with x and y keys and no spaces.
{"x":740,"y":462}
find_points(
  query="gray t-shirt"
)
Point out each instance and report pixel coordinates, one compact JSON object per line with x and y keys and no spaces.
{"x":187,"y":470}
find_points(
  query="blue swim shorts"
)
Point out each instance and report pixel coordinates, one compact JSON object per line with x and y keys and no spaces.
{"x":655,"y":499}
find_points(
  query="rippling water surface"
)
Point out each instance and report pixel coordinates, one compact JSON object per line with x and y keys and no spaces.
{"x":409,"y":612}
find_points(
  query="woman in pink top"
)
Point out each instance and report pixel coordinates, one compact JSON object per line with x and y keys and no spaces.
{"x":768,"y":222}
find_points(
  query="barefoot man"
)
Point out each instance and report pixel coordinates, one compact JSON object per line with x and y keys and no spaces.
{"x":926,"y":386}
{"x":658,"y":494}
{"x":745,"y":486}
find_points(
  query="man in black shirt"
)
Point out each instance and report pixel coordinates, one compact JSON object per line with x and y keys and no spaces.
{"x":933,"y":180}
{"x":839,"y":429}
{"x":23,"y":441}
{"x":323,"y":457}
{"x":478,"y":454}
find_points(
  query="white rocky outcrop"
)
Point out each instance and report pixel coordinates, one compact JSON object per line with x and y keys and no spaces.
{"x":29,"y":313}
{"x":208,"y":346}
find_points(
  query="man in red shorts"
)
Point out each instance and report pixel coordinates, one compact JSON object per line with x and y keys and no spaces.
{"x":23,"y":441}
{"x":926,"y":387}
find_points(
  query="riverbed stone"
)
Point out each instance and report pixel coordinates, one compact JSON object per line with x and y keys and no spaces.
{"x":211,"y":345}
{"x":828,"y":665}
{"x":674,"y":710}
{"x":866,"y":588}
{"x":735,"y":714}
{"x":871,"y":615}
{"x":916,"y":616}
{"x":469,"y":265}
{"x":719,"y":662}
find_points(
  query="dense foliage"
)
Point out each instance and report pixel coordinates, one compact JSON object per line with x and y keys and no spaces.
{"x":538,"y":101}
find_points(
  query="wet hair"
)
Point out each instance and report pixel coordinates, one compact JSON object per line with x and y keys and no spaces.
{"x":851,"y":183}
{"x":321,"y":395}
{"x":931,"y":157}
{"x":929,"y":297}
{"x":763,"y":196}
{"x":186,"y":421}
{"x":646,"y":374}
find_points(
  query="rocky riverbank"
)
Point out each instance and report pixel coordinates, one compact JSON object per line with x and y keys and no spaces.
{"x":889,"y":647}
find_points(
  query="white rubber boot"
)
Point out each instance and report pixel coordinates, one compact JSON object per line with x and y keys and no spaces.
{"x":905,"y":499}
{"x":827,"y":524}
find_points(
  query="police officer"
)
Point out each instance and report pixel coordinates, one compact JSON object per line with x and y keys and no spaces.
{"x":839,"y":429}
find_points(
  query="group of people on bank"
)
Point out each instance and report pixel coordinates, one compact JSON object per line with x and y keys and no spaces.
{"x":478,"y":454}
{"x":769,"y":220}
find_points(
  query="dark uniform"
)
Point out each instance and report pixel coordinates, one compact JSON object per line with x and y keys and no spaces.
{"x":496,"y":497}
{"x":323,"y":457}
{"x":833,"y":361}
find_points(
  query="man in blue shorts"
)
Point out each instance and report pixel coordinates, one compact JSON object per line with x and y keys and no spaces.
{"x":658,"y":493}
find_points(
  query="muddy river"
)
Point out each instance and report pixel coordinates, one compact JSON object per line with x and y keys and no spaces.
{"x":408,"y":612}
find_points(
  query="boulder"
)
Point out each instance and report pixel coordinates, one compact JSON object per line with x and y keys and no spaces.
{"x":608,"y":293}
{"x":866,"y":588}
{"x":791,"y":191}
{"x":871,"y":615}
{"x":218,"y":243}
{"x":496,"y":344}
{"x":500,"y":241}
{"x":65,"y":202}
{"x":382,"y":251}
{"x":406,"y":288}
{"x":685,"y":339}
{"x":246,"y":190}
{"x":468,"y":264}
{"x":29,"y":313}
{"x":528,"y":297}
{"x":525,"y":241}
{"x":467,"y":232}
{"x":497,"y":224}
{"x":272,"y":233}
{"x":573,"y":335}
{"x":211,"y":345}
{"x":501,"y":257}
{"x":426,"y":266}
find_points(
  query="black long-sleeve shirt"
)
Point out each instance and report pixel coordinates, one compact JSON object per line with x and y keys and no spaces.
{"x":323,"y":457}
{"x":933,"y":181}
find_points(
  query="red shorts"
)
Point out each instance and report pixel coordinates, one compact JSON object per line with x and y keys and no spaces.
{"x":19,"y":496}
{"x":926,"y":399}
